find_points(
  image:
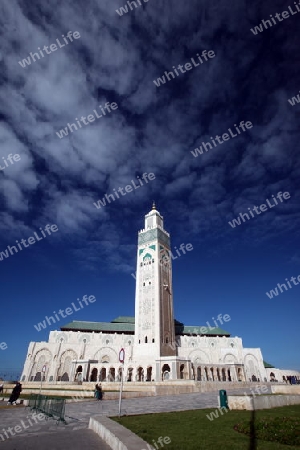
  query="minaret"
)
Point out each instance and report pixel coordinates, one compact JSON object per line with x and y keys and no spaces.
{"x":154,"y":318}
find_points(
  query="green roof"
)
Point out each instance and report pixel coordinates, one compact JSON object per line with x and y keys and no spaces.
{"x":203,"y":330}
{"x":125,"y":324}
{"x":106,"y":327}
{"x":123,"y":319}
{"x":268,"y":366}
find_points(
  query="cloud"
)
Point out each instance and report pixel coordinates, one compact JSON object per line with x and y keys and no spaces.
{"x":153,"y":130}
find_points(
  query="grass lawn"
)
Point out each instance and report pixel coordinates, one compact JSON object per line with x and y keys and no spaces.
{"x":192,"y":430}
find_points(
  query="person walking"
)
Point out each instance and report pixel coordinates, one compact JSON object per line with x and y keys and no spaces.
{"x":99,"y":392}
{"x":15,"y":394}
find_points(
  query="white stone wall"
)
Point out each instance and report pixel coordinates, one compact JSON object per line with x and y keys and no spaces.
{"x":211,"y":350}
{"x":281,"y":374}
{"x":254,"y":366}
{"x":65,"y":347}
{"x":213,"y":358}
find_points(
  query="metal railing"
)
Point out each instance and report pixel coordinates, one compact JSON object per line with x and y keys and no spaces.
{"x":53,"y":407}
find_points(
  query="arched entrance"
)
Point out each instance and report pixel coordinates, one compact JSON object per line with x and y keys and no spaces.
{"x":65,"y":377}
{"x":129,"y":374}
{"x":140,"y":374}
{"x":38,"y":376}
{"x":78,"y":376}
{"x":112,"y":374}
{"x":182,"y":371}
{"x":198,"y":373}
{"x":120,"y":374}
{"x":206,"y":374}
{"x":102,"y":376}
{"x":94,"y":374}
{"x":149,"y":373}
{"x":166,"y":372}
{"x":240,"y":374}
{"x":193,"y":371}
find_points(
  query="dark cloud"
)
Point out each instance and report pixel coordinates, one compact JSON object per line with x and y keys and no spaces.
{"x":153,"y":129}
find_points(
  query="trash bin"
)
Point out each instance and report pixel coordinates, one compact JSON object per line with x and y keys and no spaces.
{"x":223,"y":399}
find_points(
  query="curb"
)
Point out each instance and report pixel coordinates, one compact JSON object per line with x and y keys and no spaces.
{"x":117,"y":436}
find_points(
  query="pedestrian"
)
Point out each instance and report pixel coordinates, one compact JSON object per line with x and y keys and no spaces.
{"x":99,"y":392}
{"x":15,"y":394}
{"x":1,"y":387}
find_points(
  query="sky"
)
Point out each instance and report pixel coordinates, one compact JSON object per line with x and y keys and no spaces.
{"x":146,"y":127}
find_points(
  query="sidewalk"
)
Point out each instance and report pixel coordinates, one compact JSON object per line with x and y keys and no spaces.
{"x":76,"y":435}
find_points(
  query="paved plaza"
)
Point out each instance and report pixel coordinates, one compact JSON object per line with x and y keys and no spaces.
{"x":76,"y":435}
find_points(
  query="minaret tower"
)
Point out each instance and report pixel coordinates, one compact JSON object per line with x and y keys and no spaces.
{"x":154,"y":318}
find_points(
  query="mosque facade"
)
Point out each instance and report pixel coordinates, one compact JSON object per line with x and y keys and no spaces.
{"x":156,"y":346}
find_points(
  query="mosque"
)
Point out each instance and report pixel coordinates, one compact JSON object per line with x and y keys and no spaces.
{"x":156,"y":347}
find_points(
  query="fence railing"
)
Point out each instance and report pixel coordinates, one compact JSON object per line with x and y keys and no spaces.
{"x":53,"y":407}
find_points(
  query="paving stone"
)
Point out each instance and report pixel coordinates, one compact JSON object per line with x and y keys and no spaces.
{"x":49,"y":435}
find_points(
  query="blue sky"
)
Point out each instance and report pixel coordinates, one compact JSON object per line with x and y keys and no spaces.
{"x":57,"y":180}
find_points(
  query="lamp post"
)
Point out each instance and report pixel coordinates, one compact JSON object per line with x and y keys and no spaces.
{"x":121,"y":359}
{"x":42,"y":375}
